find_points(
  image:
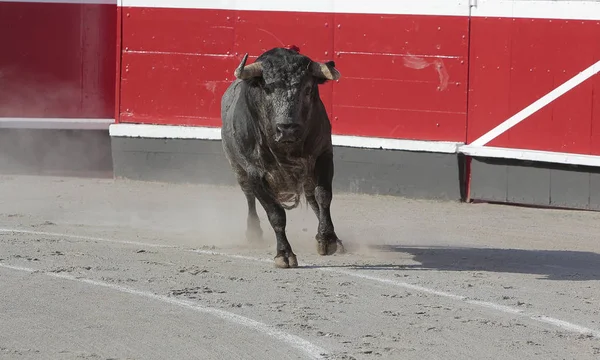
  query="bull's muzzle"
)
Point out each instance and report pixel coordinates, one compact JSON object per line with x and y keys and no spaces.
{"x":287,"y":133}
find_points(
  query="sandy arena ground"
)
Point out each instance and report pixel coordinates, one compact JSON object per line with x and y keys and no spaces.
{"x":98,"y":269}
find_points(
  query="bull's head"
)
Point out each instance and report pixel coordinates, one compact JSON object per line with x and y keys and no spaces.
{"x":287,"y":84}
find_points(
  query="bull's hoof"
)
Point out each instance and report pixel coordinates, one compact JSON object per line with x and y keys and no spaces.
{"x":292,"y":261}
{"x":326,"y":248}
{"x":284,"y":262}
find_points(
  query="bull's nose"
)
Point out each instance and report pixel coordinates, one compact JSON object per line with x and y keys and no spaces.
{"x":288,"y":128}
{"x":287,"y":132}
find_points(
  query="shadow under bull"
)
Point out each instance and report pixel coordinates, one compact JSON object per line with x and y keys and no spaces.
{"x":548,"y":264}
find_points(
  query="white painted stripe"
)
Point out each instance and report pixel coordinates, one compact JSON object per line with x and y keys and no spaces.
{"x":308,"y":348}
{"x":537,"y":105}
{"x":55,"y":123}
{"x":421,"y":7}
{"x":19,"y":268}
{"x":165,"y":131}
{"x":213,"y":133}
{"x":101,"y":2}
{"x":548,"y":9}
{"x":565,"y":325}
{"x":394,"y":144}
{"x":530,"y":155}
{"x":87,"y":238}
{"x":494,"y":306}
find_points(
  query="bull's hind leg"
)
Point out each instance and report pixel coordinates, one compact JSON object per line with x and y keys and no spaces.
{"x":327,"y":240}
{"x":254,"y":232}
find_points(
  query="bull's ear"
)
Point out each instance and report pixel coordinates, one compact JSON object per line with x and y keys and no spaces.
{"x":325,"y":71}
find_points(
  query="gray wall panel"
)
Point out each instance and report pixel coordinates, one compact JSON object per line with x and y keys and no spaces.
{"x":488,"y":181}
{"x":569,"y":188}
{"x":528,"y":185}
{"x":372,"y":171}
{"x":595,"y":191}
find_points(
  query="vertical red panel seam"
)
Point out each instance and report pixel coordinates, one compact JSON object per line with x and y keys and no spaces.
{"x":589,"y":199}
{"x":119,"y":41}
{"x":468,"y":85}
{"x":591,"y":119}
{"x":467,"y":170}
{"x":332,"y":52}
{"x":510,"y":73}
{"x":82,"y":57}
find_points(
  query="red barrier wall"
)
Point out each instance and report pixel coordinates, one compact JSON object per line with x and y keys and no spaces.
{"x":410,"y":70}
{"x":57,"y":59}
{"x":514,"y":62}
{"x":403,"y":76}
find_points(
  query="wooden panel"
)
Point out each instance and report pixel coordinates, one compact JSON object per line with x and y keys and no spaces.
{"x":393,"y":123}
{"x":257,"y":31}
{"x":57,"y":60}
{"x":404,"y":76}
{"x":173,"y":88}
{"x":489,"y":74}
{"x":402,"y":34}
{"x":423,"y":96}
{"x":164,"y":30}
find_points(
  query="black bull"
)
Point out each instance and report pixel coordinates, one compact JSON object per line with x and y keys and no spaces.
{"x":277,"y":138}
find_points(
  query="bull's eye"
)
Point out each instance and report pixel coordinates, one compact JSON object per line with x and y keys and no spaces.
{"x":308,"y":91}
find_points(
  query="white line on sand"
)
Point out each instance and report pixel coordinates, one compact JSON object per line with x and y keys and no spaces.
{"x":313,"y":351}
{"x":565,"y":325}
{"x":485,"y":304}
{"x":83,"y":237}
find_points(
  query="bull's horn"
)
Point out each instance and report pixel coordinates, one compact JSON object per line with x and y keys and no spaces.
{"x":246,"y":72}
{"x":325,"y":71}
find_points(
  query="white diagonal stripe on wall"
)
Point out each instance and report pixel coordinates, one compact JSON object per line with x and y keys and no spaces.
{"x":537,"y":105}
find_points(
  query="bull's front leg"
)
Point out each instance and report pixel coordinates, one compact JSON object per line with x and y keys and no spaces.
{"x":327,"y":240}
{"x":285,"y":257}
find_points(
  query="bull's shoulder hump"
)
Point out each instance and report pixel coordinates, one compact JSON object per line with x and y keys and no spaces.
{"x":230,"y":98}
{"x":231,"y":92}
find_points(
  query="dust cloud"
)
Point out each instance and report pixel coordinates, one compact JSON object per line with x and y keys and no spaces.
{"x":49,"y":151}
{"x":53,"y":152}
{"x":214,"y":217}
{"x":25,"y":94}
